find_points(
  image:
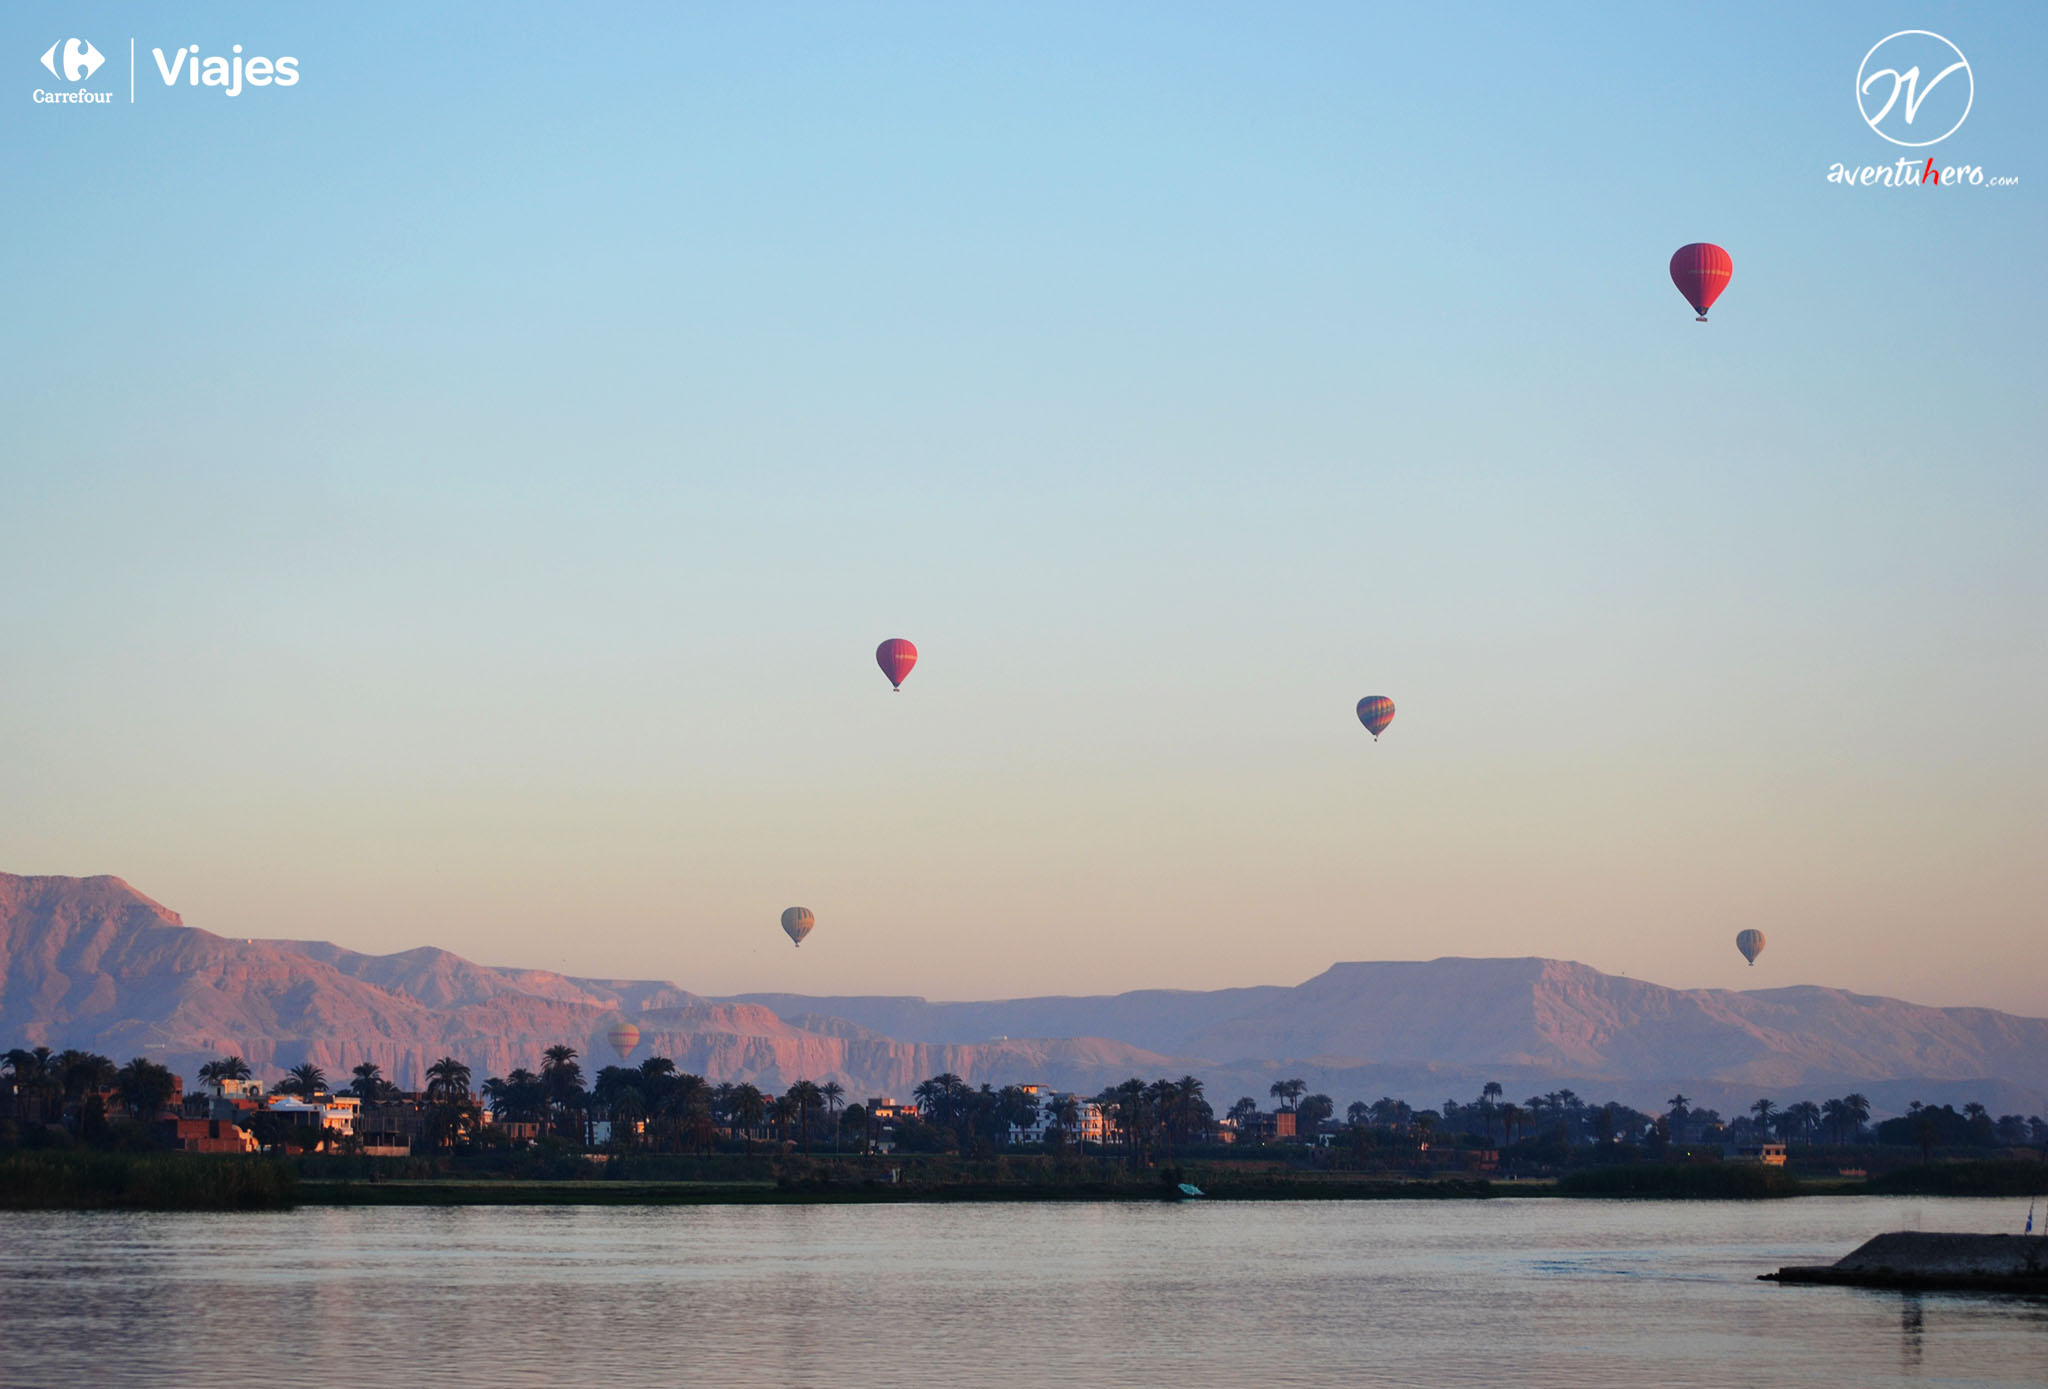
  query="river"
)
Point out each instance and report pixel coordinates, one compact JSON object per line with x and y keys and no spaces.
{"x":1510,"y":1292}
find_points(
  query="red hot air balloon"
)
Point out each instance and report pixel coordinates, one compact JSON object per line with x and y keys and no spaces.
{"x":1375,"y":712}
{"x":1701,"y":272}
{"x":896,"y":656}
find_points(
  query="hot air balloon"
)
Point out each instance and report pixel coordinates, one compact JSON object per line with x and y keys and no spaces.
{"x":1375,"y":712}
{"x":623,"y":1037}
{"x":1751,"y":944}
{"x":896,"y":656}
{"x":797,"y":923}
{"x":1701,"y":272}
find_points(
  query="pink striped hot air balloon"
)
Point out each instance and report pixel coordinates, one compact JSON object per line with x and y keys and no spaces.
{"x":1701,"y":271}
{"x":1375,"y":712}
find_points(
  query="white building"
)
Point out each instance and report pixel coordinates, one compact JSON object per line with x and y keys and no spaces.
{"x":1091,"y":1125}
{"x":337,"y":1112}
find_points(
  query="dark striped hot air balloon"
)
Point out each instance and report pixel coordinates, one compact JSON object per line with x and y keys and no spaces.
{"x":1751,"y":944}
{"x":896,"y":656}
{"x":623,"y":1037}
{"x":1701,"y":271}
{"x":1375,"y":712}
{"x":797,"y":923}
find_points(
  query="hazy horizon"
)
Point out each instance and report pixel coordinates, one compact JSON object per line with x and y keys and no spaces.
{"x":456,"y":501}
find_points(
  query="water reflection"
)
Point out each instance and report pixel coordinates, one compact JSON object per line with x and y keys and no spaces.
{"x":1524,"y":1292}
{"x":1912,"y":1326}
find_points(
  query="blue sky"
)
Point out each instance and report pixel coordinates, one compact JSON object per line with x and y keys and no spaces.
{"x":455,"y":500}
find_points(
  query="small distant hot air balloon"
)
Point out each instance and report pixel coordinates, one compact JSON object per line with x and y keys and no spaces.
{"x":1701,"y":272}
{"x":1751,"y":944}
{"x":1375,"y":712}
{"x":797,"y":923}
{"x":623,"y":1037}
{"x":896,"y":656}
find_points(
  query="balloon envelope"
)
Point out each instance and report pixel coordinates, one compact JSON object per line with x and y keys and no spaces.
{"x":623,"y":1037}
{"x":1701,"y":271}
{"x":1376,"y":712}
{"x":1751,"y":944}
{"x":896,"y":656}
{"x":797,"y":923}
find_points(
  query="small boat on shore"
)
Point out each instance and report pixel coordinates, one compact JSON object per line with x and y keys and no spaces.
{"x":1927,"y":1261}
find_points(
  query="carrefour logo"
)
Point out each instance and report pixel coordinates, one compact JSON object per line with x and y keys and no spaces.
{"x":80,"y":61}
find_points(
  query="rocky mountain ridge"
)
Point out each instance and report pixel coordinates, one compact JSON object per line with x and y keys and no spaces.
{"x":91,"y":962}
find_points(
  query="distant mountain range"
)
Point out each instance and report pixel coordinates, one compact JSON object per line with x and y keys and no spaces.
{"x":90,"y":962}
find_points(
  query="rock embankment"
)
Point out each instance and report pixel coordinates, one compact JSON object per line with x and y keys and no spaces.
{"x":1928,"y":1260}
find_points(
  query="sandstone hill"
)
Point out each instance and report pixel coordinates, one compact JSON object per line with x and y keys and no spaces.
{"x":91,"y":962}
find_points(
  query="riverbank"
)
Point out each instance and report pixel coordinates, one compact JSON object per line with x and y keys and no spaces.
{"x":432,"y":1192}
{"x":91,"y":1180}
{"x":84,"y":1181}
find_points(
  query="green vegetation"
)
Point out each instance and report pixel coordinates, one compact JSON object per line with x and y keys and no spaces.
{"x":55,"y":1179}
{"x":2008,"y":1177}
{"x":1723,"y":1181}
{"x":78,"y":1130}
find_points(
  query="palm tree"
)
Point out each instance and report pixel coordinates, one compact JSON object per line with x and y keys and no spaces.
{"x":1193,"y":1109}
{"x":627,"y":1110}
{"x":305,"y":1080}
{"x":1805,"y":1116}
{"x":698,"y":1124}
{"x":834,"y":1095}
{"x":447,"y":1079}
{"x":224,"y":1068}
{"x":1763,"y":1109}
{"x":34,"y":1081}
{"x":1062,"y":1117}
{"x":81,"y":1073}
{"x":145,"y":1086}
{"x":748,"y":1107}
{"x":1489,"y":1101}
{"x":562,"y":1078}
{"x":1287,"y":1091}
{"x":369,"y":1084}
{"x":1510,"y":1117}
{"x":943,"y":1099}
{"x":1855,"y":1112}
{"x":805,"y":1099}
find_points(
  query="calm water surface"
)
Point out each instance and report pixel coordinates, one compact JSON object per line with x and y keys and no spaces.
{"x":1535,"y":1292}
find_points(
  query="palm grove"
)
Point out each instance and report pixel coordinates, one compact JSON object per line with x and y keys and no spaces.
{"x":656,"y":1107}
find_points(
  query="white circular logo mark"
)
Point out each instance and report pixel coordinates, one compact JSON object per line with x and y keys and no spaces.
{"x":1903,"y":71}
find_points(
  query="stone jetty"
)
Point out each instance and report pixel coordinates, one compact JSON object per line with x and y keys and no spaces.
{"x":1928,"y":1261}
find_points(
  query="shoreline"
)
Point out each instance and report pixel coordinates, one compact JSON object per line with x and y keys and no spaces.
{"x":456,"y":1192}
{"x":172,"y":1181}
